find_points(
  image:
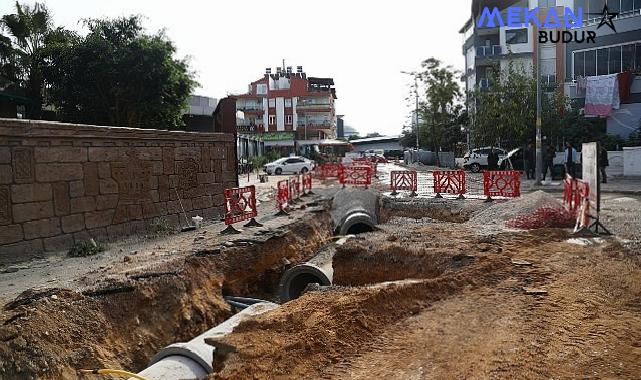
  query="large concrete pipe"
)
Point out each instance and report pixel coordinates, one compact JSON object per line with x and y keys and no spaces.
{"x":193,"y":360}
{"x":318,"y":270}
{"x":354,"y":211}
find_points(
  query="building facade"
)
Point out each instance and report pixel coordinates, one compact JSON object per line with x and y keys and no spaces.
{"x":285,"y":107}
{"x":562,"y":64}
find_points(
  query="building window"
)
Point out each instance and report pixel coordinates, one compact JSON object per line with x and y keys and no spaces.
{"x":516,"y":36}
{"x":288,"y":119}
{"x":272,"y":103}
{"x":261,"y":89}
{"x":607,"y":60}
{"x":288,"y":102}
{"x":272,"y":119}
{"x":602,"y":61}
{"x":547,"y":3}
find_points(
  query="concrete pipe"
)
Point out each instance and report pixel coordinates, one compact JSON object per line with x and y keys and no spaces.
{"x":354,"y":211}
{"x":318,"y":270}
{"x":193,"y":360}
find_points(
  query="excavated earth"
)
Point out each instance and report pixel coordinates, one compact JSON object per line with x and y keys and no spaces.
{"x":434,"y":299}
{"x":135,"y":308}
{"x":432,"y":293}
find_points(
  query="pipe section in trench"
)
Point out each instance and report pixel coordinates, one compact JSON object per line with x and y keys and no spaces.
{"x":354,"y":211}
{"x":193,"y":360}
{"x":318,"y":270}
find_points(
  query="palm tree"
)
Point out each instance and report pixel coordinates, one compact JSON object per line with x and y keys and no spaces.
{"x":27,"y":29}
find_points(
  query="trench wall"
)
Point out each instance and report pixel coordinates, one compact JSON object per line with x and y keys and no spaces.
{"x":64,"y":183}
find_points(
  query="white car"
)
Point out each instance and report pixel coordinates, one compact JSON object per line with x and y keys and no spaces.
{"x":289,"y":165}
{"x":477,"y":158}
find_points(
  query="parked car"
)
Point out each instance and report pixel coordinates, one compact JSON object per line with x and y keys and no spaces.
{"x":476,"y":159}
{"x":289,"y":165}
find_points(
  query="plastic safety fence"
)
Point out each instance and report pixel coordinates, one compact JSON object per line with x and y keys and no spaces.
{"x":502,"y":183}
{"x":366,"y":162}
{"x":240,"y":205}
{"x":282,"y":196}
{"x":356,"y":175}
{"x":403,"y":180}
{"x":574,"y":191}
{"x":329,"y":170}
{"x":294,"y":190}
{"x":449,"y":182}
{"x":307,"y":183}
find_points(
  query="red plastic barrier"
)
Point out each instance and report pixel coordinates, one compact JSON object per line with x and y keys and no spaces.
{"x":282,"y":196}
{"x":574,"y":191}
{"x":449,"y":182}
{"x":292,"y":190}
{"x":240,"y":205}
{"x":356,"y":175}
{"x":307,"y":183}
{"x":504,"y":183}
{"x":329,"y":170}
{"x":403,"y":180}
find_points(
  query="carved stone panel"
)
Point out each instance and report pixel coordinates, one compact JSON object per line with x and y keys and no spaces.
{"x":5,"y":205}
{"x":23,"y":167}
{"x":188,"y":174}
{"x":134,"y":180}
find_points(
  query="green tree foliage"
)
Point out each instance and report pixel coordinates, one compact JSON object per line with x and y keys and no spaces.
{"x":507,"y":110}
{"x":118,"y":75}
{"x":23,"y":44}
{"x":439,"y":106}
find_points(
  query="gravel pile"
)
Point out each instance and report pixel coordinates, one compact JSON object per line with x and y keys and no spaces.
{"x":499,"y":213}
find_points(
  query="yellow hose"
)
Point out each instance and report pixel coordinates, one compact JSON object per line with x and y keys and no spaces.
{"x":118,"y":372}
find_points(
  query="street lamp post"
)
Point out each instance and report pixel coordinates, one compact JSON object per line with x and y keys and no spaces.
{"x":539,"y":141}
{"x":416,"y":109}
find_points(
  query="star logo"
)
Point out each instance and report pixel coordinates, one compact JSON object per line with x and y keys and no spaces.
{"x":606,"y":18}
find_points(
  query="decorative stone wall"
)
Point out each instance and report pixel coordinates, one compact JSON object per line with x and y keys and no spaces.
{"x":64,"y":183}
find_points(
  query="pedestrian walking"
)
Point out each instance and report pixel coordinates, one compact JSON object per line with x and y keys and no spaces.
{"x":492,"y":160}
{"x":570,"y":158}
{"x":603,"y":163}
{"x":528,"y":161}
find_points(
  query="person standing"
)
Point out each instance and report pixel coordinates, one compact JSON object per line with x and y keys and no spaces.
{"x":492,"y":160}
{"x":603,"y":163}
{"x":548,"y":161}
{"x":528,"y":161}
{"x":570,"y":157}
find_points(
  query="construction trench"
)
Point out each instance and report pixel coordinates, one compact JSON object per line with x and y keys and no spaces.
{"x":342,"y":283}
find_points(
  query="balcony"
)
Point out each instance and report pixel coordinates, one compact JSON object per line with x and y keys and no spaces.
{"x":484,"y":84}
{"x":315,"y":125}
{"x":489,"y":51}
{"x":249,"y":107}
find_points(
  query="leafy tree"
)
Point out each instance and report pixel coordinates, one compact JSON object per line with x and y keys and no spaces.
{"x":439,"y":107}
{"x":22,"y":51}
{"x":118,"y":75}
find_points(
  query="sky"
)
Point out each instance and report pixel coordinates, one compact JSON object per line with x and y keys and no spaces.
{"x":363,"y":45}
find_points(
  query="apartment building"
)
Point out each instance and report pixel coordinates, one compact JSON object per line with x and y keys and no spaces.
{"x":612,"y":53}
{"x":288,"y":107}
{"x":563,"y":65}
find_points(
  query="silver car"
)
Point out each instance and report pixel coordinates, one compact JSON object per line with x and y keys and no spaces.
{"x":293,"y":165}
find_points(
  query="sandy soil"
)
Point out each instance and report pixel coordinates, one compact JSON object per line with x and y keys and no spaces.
{"x":469,"y":320}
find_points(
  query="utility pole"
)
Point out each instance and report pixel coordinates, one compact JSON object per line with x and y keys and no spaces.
{"x":539,"y":140}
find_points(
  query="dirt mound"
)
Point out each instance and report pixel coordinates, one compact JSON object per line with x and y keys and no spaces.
{"x":320,"y":328}
{"x":500,"y":212}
